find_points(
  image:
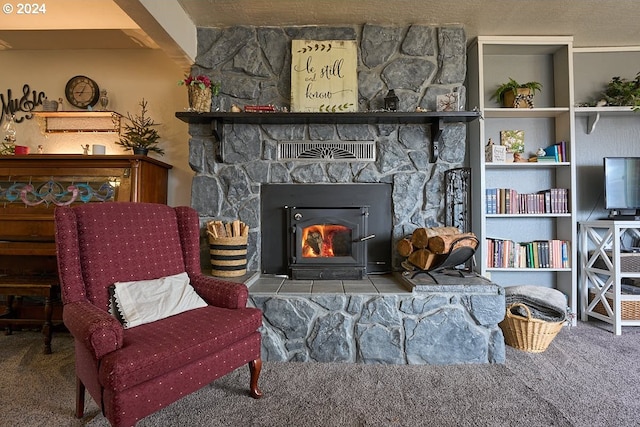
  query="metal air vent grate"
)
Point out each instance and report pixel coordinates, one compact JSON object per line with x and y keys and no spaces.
{"x":328,"y":151}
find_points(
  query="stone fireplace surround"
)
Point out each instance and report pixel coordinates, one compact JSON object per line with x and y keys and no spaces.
{"x":419,"y":63}
{"x":253,"y":64}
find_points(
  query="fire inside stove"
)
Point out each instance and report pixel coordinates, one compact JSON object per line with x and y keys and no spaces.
{"x":326,"y":241}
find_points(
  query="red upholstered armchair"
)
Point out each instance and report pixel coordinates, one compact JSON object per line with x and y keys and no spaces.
{"x":133,"y":372}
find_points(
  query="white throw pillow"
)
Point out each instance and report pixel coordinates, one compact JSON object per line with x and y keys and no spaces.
{"x":146,"y":301}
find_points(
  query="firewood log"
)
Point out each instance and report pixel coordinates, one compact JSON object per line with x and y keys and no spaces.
{"x":404,"y":247}
{"x":441,"y":244}
{"x":420,"y":237}
{"x":221,"y":231}
{"x":423,"y":258}
{"x":439,"y":231}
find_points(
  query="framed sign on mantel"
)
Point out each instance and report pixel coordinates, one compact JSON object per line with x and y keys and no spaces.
{"x":324,"y":76}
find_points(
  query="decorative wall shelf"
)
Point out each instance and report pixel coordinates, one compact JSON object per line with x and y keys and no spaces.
{"x":437,"y":120}
{"x":594,"y":113}
{"x":78,"y":121}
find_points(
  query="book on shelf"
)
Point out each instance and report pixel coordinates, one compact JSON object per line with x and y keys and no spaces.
{"x":491,"y":198}
{"x":506,"y":253}
{"x":554,"y":153}
{"x":562,"y":147}
{"x":509,"y":201}
{"x":547,"y":159}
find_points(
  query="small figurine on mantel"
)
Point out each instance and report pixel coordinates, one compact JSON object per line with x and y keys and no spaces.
{"x":40,"y":149}
{"x":85,"y":149}
{"x":517,"y":158}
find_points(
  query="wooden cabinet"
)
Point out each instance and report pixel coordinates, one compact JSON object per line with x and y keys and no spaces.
{"x":548,"y":60}
{"x":32,"y":186}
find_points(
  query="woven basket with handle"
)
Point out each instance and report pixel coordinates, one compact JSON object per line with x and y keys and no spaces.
{"x":527,"y":333}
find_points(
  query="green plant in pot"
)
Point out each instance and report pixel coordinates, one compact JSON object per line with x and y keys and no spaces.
{"x":139,"y":134}
{"x":623,"y":92}
{"x":516,"y":95}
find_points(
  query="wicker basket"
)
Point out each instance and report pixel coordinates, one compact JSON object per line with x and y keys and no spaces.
{"x":527,"y":333}
{"x":629,"y":310}
{"x":228,"y":256}
{"x":629,"y":262}
{"x":200,"y":99}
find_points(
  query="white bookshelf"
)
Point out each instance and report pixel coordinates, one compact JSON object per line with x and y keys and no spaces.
{"x":492,"y":60}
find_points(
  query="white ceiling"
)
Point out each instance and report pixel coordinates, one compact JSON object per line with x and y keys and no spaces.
{"x":104,"y":24}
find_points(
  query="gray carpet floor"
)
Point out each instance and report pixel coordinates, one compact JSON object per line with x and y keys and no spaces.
{"x":587,"y":377}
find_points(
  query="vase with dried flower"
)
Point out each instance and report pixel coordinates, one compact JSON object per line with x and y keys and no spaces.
{"x":201,"y":89}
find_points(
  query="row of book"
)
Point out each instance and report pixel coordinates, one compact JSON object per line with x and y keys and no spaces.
{"x":509,"y":201}
{"x":504,"y":253}
{"x":554,"y":153}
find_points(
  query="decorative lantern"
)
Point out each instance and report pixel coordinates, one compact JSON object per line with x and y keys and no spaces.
{"x":391,"y":101}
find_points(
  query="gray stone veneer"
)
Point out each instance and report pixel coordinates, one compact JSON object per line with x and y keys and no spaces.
{"x":253,"y":64}
{"x":449,"y":323}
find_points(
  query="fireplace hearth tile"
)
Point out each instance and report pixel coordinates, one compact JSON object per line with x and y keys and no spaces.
{"x":359,"y":287}
{"x":269,"y":285}
{"x":327,"y":287}
{"x":296,"y":287}
{"x":369,"y":285}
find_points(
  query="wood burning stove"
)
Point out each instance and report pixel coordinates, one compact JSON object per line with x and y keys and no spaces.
{"x":321,"y":202}
{"x":327,"y":243}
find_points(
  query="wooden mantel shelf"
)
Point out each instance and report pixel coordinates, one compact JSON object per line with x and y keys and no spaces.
{"x":78,"y":121}
{"x":437,"y":119}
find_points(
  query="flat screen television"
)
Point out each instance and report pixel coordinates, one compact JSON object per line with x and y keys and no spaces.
{"x":622,"y":187}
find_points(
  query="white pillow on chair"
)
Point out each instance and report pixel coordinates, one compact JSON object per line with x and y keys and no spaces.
{"x":146,"y":301}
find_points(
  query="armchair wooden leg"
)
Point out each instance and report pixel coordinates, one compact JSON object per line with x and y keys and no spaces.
{"x":254,"y":367}
{"x":79,"y":398}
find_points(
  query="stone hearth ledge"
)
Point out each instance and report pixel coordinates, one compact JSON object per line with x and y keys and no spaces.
{"x":396,"y":321}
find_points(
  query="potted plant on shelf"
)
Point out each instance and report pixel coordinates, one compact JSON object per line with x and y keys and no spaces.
{"x":516,"y":95}
{"x":200,"y":88}
{"x":623,"y":92}
{"x":140,"y":134}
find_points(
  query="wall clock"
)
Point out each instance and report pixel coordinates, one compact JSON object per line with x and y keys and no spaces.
{"x":82,"y":92}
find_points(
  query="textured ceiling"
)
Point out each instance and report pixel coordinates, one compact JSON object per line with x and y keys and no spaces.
{"x":591,"y":22}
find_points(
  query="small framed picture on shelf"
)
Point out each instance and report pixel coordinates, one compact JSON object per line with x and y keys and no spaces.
{"x":513,"y":140}
{"x":448,"y":102}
